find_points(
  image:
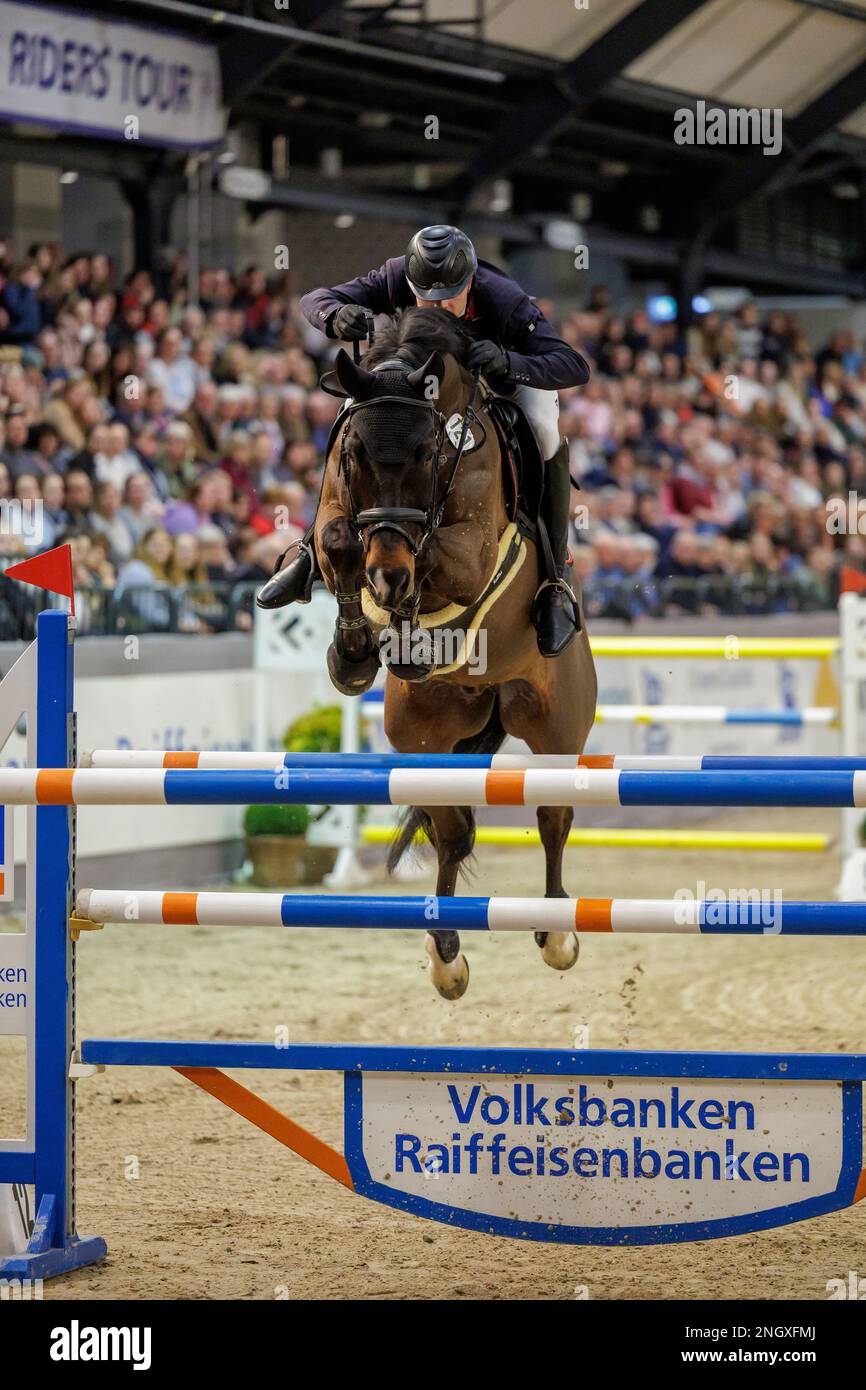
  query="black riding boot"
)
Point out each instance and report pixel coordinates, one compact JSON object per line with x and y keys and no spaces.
{"x":294,"y":583}
{"x":555,"y":610}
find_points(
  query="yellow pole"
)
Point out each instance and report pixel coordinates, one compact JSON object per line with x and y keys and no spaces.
{"x":729,"y":648}
{"x":604,"y":838}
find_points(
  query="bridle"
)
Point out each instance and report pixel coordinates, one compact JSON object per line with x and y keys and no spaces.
{"x":371,"y":520}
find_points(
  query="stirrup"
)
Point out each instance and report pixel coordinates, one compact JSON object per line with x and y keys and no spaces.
{"x":563,"y":587}
{"x":304,"y":548}
{"x":561,"y":584}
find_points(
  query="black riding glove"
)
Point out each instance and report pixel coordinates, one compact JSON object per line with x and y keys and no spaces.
{"x":489,"y":359}
{"x":350,"y":323}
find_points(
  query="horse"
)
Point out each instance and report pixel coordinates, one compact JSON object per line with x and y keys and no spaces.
{"x":416,"y":527}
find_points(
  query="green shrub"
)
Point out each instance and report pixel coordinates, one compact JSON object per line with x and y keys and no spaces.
{"x":315,"y":732}
{"x":276,"y":820}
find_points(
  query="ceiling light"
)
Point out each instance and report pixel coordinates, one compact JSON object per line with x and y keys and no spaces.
{"x":69,"y":176}
{"x":331,"y":162}
{"x":500,"y":196}
{"x":374,"y":120}
{"x":650,"y":218}
{"x":562,"y":234}
{"x":344,"y":220}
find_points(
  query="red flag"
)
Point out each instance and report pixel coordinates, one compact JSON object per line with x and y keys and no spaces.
{"x":52,"y":570}
{"x":851,"y":581}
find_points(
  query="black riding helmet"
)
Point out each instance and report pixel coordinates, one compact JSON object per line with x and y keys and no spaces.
{"x":440,"y":263}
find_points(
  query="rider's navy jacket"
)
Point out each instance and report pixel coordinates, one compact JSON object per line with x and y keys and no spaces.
{"x":498,"y":309}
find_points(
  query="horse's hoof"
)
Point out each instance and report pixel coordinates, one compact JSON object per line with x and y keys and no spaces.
{"x":450,"y":979}
{"x":560,"y":949}
{"x":351,"y":677}
{"x":409,"y":673}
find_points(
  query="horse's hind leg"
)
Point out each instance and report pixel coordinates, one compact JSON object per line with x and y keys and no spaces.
{"x":452,"y":830}
{"x":559,"y":949}
{"x":555,"y":715}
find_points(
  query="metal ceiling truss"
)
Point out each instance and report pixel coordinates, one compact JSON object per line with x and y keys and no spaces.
{"x":553,"y":128}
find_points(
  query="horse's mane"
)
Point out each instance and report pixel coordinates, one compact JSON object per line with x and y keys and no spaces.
{"x":414,"y":334}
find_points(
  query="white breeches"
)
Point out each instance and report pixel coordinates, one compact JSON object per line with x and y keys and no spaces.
{"x":541,"y":409}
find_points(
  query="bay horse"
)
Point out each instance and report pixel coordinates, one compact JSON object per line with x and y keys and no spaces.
{"x":416,"y":527}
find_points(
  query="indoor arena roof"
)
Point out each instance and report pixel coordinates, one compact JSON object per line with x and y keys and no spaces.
{"x":543,"y":104}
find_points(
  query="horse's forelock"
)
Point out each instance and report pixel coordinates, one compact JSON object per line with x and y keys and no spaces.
{"x":416,"y":333}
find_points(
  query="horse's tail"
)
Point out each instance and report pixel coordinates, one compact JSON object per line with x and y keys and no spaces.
{"x":413,"y":820}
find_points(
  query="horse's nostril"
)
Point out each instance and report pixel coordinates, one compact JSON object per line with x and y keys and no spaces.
{"x":390,"y":585}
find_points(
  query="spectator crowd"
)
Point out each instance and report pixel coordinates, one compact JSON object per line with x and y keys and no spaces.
{"x":179,"y":447}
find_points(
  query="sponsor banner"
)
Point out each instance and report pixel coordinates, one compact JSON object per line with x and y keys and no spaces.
{"x":82,"y":73}
{"x":15,"y":984}
{"x":604,"y":1159}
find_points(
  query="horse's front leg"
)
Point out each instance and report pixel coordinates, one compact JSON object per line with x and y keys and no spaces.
{"x":353,"y":658}
{"x":433,"y":719}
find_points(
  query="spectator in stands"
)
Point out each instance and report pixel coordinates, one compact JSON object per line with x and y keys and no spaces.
{"x":78,"y":502}
{"x":53,"y":489}
{"x":301,"y":464}
{"x":150,"y":565}
{"x":50,"y":453}
{"x":214,"y":553}
{"x":65,"y":411}
{"x":196,"y":509}
{"x":16,"y":454}
{"x":201,"y":417}
{"x":108,"y":521}
{"x":141,"y":508}
{"x":177,"y":458}
{"x":240,"y":465}
{"x":23,"y":307}
{"x":115,"y":462}
{"x":51,"y":357}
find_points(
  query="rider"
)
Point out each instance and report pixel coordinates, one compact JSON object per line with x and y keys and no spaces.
{"x":514,"y":348}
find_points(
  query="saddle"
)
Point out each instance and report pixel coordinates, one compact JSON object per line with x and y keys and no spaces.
{"x":522,"y":464}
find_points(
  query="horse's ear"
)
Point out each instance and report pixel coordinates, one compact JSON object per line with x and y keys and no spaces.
{"x":356,"y":381}
{"x":328,"y":382}
{"x":432,"y":370}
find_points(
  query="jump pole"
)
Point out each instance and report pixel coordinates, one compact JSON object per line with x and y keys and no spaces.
{"x":436,"y":787}
{"x":192,"y":759}
{"x":372,"y":707}
{"x":747,"y":916}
